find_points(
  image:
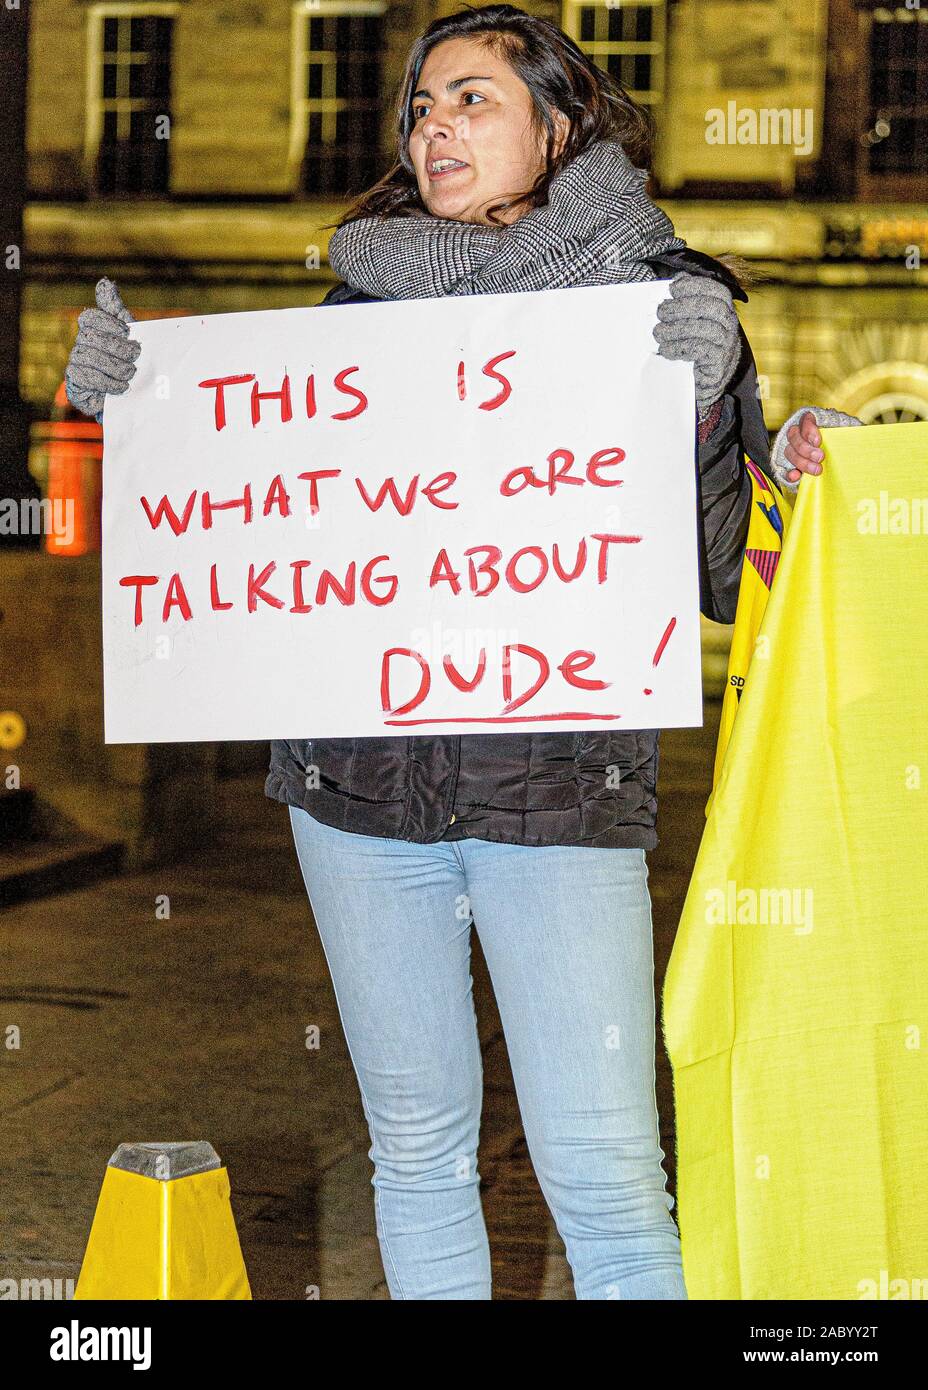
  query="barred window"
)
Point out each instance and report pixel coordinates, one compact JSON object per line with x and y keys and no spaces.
{"x":129,"y":107}
{"x":337,"y":93}
{"x":897,"y":142}
{"x":626,"y":40}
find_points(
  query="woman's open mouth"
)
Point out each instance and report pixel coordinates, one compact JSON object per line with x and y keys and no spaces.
{"x":441,"y":168}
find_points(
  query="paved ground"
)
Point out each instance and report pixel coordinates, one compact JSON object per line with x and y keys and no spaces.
{"x":135,"y":1027}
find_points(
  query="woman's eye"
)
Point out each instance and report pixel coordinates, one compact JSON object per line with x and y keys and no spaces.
{"x":420,"y":110}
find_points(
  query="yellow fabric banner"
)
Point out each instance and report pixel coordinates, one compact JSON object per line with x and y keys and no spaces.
{"x":796,"y":999}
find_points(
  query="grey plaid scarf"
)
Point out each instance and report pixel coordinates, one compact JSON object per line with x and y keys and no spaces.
{"x":597,"y":228}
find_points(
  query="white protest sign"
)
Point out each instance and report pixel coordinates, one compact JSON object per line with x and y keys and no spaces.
{"x":455,"y":515}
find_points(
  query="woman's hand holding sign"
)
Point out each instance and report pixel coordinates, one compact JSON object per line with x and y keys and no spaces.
{"x":698,"y":324}
{"x":102,"y":360}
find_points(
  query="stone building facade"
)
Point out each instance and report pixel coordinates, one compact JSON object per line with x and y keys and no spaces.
{"x":794,"y":132}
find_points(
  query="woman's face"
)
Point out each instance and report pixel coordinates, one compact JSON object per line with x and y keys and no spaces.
{"x":472,"y":109}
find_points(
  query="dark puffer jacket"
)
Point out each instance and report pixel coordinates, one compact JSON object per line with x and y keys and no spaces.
{"x":586,"y":788}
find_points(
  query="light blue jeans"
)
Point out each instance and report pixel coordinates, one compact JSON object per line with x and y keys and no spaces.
{"x":567,"y":937}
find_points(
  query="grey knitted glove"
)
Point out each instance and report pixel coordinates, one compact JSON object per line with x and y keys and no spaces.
{"x":825,"y":419}
{"x":103,"y":356}
{"x":698,"y":324}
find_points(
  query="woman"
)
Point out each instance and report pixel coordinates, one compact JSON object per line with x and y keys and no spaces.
{"x":517,"y":169}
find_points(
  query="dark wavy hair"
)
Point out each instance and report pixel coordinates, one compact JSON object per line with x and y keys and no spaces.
{"x":559,"y":76}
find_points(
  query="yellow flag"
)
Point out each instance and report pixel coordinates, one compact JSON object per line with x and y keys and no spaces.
{"x":796,"y":1000}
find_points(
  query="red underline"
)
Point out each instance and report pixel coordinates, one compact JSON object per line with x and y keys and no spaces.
{"x":505,"y":718}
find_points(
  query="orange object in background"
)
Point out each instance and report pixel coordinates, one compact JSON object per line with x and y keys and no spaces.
{"x":75,"y":479}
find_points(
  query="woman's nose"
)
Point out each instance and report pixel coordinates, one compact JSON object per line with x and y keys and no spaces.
{"x":437,"y":127}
